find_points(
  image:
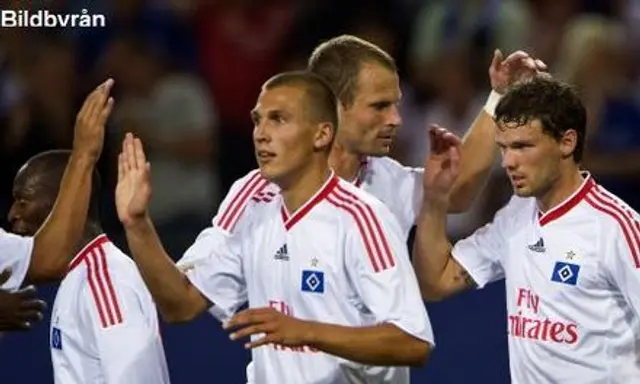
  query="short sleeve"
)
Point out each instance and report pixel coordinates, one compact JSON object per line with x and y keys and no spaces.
{"x":213,"y":264}
{"x":382,"y":274}
{"x":123,"y":325}
{"x":621,"y":247}
{"x":482,"y":253}
{"x":15,"y":254}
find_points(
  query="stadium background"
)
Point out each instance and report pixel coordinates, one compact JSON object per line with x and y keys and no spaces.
{"x":187,"y":72}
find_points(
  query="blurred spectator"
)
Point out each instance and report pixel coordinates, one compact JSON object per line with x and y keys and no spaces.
{"x":44,"y":116}
{"x":595,"y":58}
{"x":240,"y":44}
{"x":486,"y":24}
{"x":550,"y":17}
{"x":174,"y":115}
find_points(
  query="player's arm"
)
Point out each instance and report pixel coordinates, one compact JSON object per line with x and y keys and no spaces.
{"x":55,"y":242}
{"x":18,"y":310}
{"x":479,"y":149}
{"x":439,"y":273}
{"x":121,"y":322}
{"x":210,"y":268}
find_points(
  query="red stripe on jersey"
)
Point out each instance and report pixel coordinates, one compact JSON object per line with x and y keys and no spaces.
{"x":609,"y":196}
{"x":95,"y":291}
{"x":597,"y":202}
{"x":234,"y":211}
{"x":107,"y":278}
{"x":378,"y":228}
{"x":97,"y":242}
{"x":239,"y":200}
{"x":102,"y":290}
{"x":621,"y":210}
{"x":363,"y":234}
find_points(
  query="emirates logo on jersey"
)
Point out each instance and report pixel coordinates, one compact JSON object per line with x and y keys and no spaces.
{"x":527,"y":324}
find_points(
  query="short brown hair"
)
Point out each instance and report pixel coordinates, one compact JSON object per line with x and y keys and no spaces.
{"x":340,"y":59}
{"x":320,"y":102}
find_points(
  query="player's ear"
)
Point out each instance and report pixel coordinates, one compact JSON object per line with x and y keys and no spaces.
{"x":323,"y":136}
{"x":568,"y":142}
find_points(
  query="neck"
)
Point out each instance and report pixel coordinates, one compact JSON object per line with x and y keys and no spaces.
{"x":91,"y":231}
{"x":564,"y":187}
{"x":346,"y":164}
{"x":304,"y":186}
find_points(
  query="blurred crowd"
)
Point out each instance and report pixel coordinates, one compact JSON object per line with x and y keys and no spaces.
{"x":188,"y":72}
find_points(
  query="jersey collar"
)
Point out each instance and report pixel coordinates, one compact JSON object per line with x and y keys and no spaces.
{"x":290,"y":220}
{"x":90,"y":247}
{"x":573,"y":200}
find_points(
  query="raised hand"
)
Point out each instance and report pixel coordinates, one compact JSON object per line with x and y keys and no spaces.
{"x":278,"y":328}
{"x":518,"y":66}
{"x":442,"y":165}
{"x":19,"y":310}
{"x":133,"y":191}
{"x":91,"y":120}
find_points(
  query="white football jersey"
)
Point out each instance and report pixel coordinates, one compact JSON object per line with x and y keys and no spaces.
{"x":572,"y":282}
{"x":341,"y":258}
{"x":15,"y":254}
{"x":104,"y":323}
{"x":397,"y":186}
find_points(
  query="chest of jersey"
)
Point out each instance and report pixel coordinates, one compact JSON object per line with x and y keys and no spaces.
{"x":301,"y":268}
{"x":555,"y":274}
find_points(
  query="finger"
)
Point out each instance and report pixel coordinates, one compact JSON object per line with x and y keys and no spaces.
{"x":31,"y":316}
{"x":248,"y":316}
{"x":266,"y":340}
{"x":515,"y":57}
{"x":5,"y":275}
{"x":35,"y":305}
{"x":251,"y":330}
{"x":454,"y":158}
{"x":127,"y":161}
{"x":496,"y":60}
{"x":130,"y":151}
{"x":138,"y":150}
{"x":540,"y":65}
{"x":105,"y":112}
{"x":120,"y":167}
{"x":100,"y":99}
{"x":26,"y":293}
{"x":452,"y":139}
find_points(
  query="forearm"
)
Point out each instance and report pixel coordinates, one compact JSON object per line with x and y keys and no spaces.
{"x":625,"y":164}
{"x":476,"y":159}
{"x":384,"y":344}
{"x":431,"y":248}
{"x":56,"y":241}
{"x":177,"y":299}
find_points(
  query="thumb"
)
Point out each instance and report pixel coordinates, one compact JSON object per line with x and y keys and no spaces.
{"x":498,"y":57}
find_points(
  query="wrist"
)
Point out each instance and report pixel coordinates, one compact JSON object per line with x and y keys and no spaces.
{"x":310,"y":334}
{"x":82,"y":160}
{"x":137,"y":224}
{"x":492,"y":102}
{"x":438,"y":203}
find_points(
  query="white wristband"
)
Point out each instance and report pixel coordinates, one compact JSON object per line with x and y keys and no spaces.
{"x":492,"y":103}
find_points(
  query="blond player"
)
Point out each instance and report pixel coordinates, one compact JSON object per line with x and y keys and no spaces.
{"x":45,"y":255}
{"x":568,"y":249}
{"x":323,"y":265}
{"x":104,"y":324}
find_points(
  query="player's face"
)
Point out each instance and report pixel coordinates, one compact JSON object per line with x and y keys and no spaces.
{"x":369,"y":125}
{"x":283,"y":136}
{"x":531,"y":158}
{"x":30,"y":204}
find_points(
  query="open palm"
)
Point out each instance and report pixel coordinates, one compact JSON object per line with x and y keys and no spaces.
{"x":443,"y":162}
{"x":133,"y":191}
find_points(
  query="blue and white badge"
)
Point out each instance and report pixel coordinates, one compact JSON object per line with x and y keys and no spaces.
{"x":312,"y":281}
{"x":56,"y":338}
{"x":565,"y":273}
